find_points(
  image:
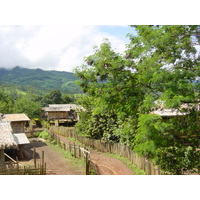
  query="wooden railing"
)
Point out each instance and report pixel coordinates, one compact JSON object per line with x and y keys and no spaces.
{"x":13,"y":167}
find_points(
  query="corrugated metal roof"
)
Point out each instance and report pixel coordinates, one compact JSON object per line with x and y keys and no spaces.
{"x":15,"y":117}
{"x":6,"y":137}
{"x":20,"y":138}
{"x":168,"y":113}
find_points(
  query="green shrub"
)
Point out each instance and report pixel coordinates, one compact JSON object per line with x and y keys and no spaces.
{"x":44,"y":135}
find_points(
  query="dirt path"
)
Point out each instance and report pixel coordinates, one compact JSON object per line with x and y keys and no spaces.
{"x":106,"y":165}
{"x":56,"y":163}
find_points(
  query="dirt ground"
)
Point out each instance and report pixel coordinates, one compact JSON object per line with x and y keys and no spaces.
{"x":106,"y":165}
{"x":56,"y":163}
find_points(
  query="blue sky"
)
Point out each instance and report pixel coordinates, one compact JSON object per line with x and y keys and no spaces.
{"x":119,"y":31}
{"x":56,"y":47}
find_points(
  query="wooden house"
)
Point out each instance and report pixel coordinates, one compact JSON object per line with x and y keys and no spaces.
{"x":62,"y":112}
{"x":18,"y":122}
{"x":6,"y":141}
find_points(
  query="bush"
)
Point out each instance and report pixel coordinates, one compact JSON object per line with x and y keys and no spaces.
{"x":44,"y":135}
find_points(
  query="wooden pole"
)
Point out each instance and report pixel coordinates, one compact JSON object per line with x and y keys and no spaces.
{"x":42,"y":162}
{"x":34,"y":156}
{"x":87,"y":161}
{"x":79,"y":150}
{"x":69,"y":147}
{"x":74,"y":150}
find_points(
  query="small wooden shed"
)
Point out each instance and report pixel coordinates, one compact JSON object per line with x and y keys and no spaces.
{"x":18,"y":121}
{"x":6,"y":140}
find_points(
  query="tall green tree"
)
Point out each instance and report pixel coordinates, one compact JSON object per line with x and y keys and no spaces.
{"x":54,"y":97}
{"x":160,"y":65}
{"x":166,"y":64}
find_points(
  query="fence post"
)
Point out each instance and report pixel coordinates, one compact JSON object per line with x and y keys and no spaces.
{"x":79,"y":150}
{"x":17,"y":165}
{"x":69,"y":147}
{"x":74,"y":150}
{"x":34,"y":155}
{"x":156,"y":170}
{"x":87,"y":161}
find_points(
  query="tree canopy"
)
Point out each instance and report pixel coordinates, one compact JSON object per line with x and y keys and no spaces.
{"x":160,"y":64}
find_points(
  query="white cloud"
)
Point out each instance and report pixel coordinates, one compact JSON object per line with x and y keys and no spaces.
{"x":51,"y":47}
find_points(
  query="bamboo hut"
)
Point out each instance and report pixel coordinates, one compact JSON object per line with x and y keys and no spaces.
{"x":18,"y":121}
{"x":6,"y":140}
{"x":62,"y":112}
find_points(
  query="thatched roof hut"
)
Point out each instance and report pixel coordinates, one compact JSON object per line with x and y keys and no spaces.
{"x":6,"y":137}
{"x":6,"y":140}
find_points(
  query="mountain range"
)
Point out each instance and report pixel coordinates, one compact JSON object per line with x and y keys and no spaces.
{"x":39,"y":80}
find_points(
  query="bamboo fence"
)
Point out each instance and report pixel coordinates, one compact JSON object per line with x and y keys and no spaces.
{"x":14,"y":168}
{"x":76,"y":150}
{"x":117,"y":148}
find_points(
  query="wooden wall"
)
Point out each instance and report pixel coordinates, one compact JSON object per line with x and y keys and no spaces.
{"x":2,"y":158}
{"x":18,"y":127}
{"x":60,"y":115}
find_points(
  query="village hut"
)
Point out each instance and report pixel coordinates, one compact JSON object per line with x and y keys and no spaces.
{"x":18,"y":123}
{"x":62,"y":112}
{"x":6,"y":140}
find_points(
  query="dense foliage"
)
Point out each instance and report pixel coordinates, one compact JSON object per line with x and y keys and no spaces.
{"x":160,"y":68}
{"x":39,"y":80}
{"x":31,"y":103}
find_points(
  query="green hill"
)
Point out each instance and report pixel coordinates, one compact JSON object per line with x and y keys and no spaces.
{"x":39,"y":80}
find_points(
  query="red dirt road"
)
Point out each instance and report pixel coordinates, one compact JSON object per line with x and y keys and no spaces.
{"x":106,"y":165}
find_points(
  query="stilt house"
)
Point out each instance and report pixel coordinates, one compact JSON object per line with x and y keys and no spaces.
{"x":62,"y":112}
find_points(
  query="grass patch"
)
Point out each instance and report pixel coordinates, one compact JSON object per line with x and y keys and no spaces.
{"x":75,"y":141}
{"x":128,"y":163}
{"x":76,"y":163}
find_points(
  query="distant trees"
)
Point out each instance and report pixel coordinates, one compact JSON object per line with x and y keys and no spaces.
{"x":160,"y":64}
{"x":6,"y":103}
{"x":26,"y":105}
{"x":12,"y":101}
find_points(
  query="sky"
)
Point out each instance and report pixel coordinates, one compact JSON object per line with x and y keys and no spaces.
{"x":56,"y":47}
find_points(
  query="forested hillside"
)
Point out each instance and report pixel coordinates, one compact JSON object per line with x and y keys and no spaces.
{"x":39,"y":80}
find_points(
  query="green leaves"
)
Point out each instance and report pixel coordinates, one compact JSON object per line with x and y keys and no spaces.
{"x":159,"y":65}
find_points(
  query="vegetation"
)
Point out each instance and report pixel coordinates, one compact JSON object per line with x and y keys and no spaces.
{"x":160,"y":64}
{"x":31,"y":103}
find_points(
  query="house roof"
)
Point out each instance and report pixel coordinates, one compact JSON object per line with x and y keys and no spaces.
{"x":168,"y":112}
{"x":6,"y":137}
{"x":56,"y":109}
{"x":70,"y":106}
{"x":20,"y":138}
{"x":61,"y":107}
{"x":15,"y":117}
